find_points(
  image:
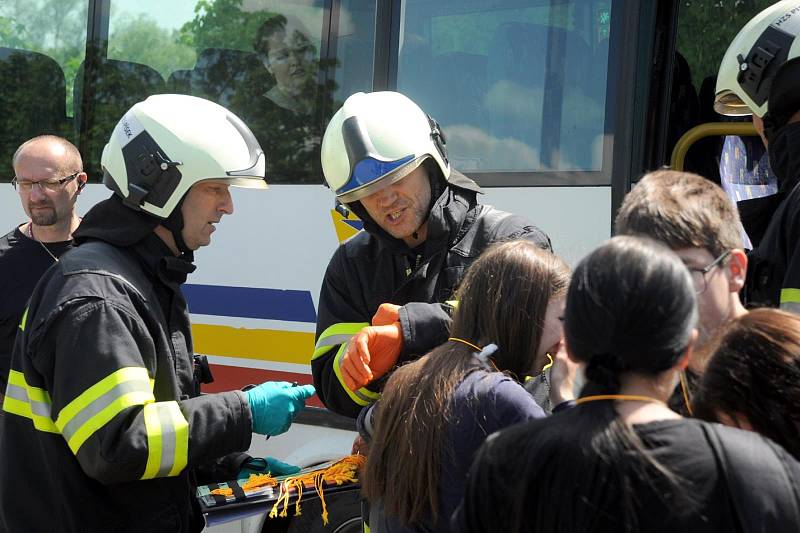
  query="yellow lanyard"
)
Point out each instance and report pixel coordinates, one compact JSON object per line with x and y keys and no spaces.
{"x":620,"y":397}
{"x":462,"y":341}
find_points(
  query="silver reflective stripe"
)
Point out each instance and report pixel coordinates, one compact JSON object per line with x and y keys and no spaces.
{"x":19,"y":393}
{"x":333,"y":340}
{"x":168,"y":438}
{"x":361,"y":396}
{"x":97,"y":405}
{"x":792,"y":307}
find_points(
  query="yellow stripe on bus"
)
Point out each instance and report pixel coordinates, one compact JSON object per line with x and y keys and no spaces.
{"x":263,"y":344}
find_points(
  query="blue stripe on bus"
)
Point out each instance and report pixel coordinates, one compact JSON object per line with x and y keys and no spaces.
{"x":357,"y":225}
{"x":247,"y":302}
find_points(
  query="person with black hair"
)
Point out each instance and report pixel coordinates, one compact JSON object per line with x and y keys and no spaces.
{"x":620,"y":459}
{"x":382,"y":300}
{"x":753,"y":377}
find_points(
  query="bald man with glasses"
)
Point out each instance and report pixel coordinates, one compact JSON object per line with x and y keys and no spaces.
{"x":48,"y":176}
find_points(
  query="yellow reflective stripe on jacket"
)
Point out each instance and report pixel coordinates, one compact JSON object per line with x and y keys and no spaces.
{"x":167,"y":440}
{"x":335,"y":335}
{"x":362,"y":396}
{"x":24,"y":320}
{"x":790,"y":300}
{"x":31,"y":402}
{"x":101,"y":402}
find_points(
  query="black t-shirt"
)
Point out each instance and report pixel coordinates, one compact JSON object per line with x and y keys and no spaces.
{"x":498,"y":482}
{"x":22,"y":263}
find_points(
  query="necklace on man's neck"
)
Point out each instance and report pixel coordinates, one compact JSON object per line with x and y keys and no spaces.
{"x":30,"y":234}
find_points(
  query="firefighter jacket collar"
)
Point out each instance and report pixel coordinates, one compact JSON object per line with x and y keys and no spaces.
{"x":112,"y":222}
{"x":158,"y":259}
{"x":445,"y":219}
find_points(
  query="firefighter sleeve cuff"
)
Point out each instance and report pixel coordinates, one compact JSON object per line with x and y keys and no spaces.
{"x":424,"y":327}
{"x":241,"y":411}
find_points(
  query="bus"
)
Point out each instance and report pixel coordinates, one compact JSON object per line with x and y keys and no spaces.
{"x":555,"y":107}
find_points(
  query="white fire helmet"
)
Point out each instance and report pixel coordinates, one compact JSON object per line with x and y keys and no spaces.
{"x":167,"y":143}
{"x":754,"y":57}
{"x":376,"y":139}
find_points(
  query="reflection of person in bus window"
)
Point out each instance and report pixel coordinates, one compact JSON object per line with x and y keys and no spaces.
{"x":289,"y":56}
{"x":281,"y":116}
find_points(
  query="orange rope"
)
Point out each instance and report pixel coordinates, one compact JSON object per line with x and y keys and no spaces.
{"x":342,"y":471}
{"x":255,"y":481}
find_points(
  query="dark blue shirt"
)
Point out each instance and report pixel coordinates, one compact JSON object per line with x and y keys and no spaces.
{"x":483,"y":403}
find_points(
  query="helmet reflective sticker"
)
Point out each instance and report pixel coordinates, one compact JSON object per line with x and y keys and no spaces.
{"x":129,"y":127}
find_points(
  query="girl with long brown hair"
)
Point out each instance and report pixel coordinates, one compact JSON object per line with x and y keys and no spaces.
{"x":436,"y":411}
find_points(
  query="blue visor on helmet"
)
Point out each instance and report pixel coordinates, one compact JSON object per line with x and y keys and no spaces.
{"x":370,"y":169}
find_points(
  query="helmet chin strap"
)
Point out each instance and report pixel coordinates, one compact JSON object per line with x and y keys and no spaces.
{"x":437,"y":188}
{"x":174,"y":223}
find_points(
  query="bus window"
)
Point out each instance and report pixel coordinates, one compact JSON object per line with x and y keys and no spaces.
{"x":260,"y":59}
{"x":355,"y":49}
{"x":517,"y":86}
{"x":41,"y":46}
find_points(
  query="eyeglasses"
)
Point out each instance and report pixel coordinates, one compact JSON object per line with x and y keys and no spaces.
{"x":53,"y":185}
{"x":699,"y":274}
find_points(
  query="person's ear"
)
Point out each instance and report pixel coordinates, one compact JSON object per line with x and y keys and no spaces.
{"x":737,"y":270}
{"x":82,"y":179}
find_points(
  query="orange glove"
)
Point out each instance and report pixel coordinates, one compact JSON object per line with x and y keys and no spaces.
{"x":386,"y":314}
{"x":372,"y":352}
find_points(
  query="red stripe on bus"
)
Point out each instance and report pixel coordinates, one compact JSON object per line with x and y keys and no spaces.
{"x":233,"y":377}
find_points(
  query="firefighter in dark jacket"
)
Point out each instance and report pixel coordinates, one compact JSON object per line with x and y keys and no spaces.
{"x":760,"y":74}
{"x":104,"y":426}
{"x":383,"y":299}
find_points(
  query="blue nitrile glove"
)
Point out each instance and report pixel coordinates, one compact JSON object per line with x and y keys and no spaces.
{"x":273,"y":405}
{"x":267,"y":465}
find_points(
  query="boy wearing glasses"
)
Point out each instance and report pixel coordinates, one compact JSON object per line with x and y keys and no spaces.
{"x":48,"y":175}
{"x":695,"y":218}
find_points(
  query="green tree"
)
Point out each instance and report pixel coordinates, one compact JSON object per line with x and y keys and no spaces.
{"x":56,"y":28}
{"x":222,"y":24}
{"x":707,"y":27}
{"x":140,"y":39}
